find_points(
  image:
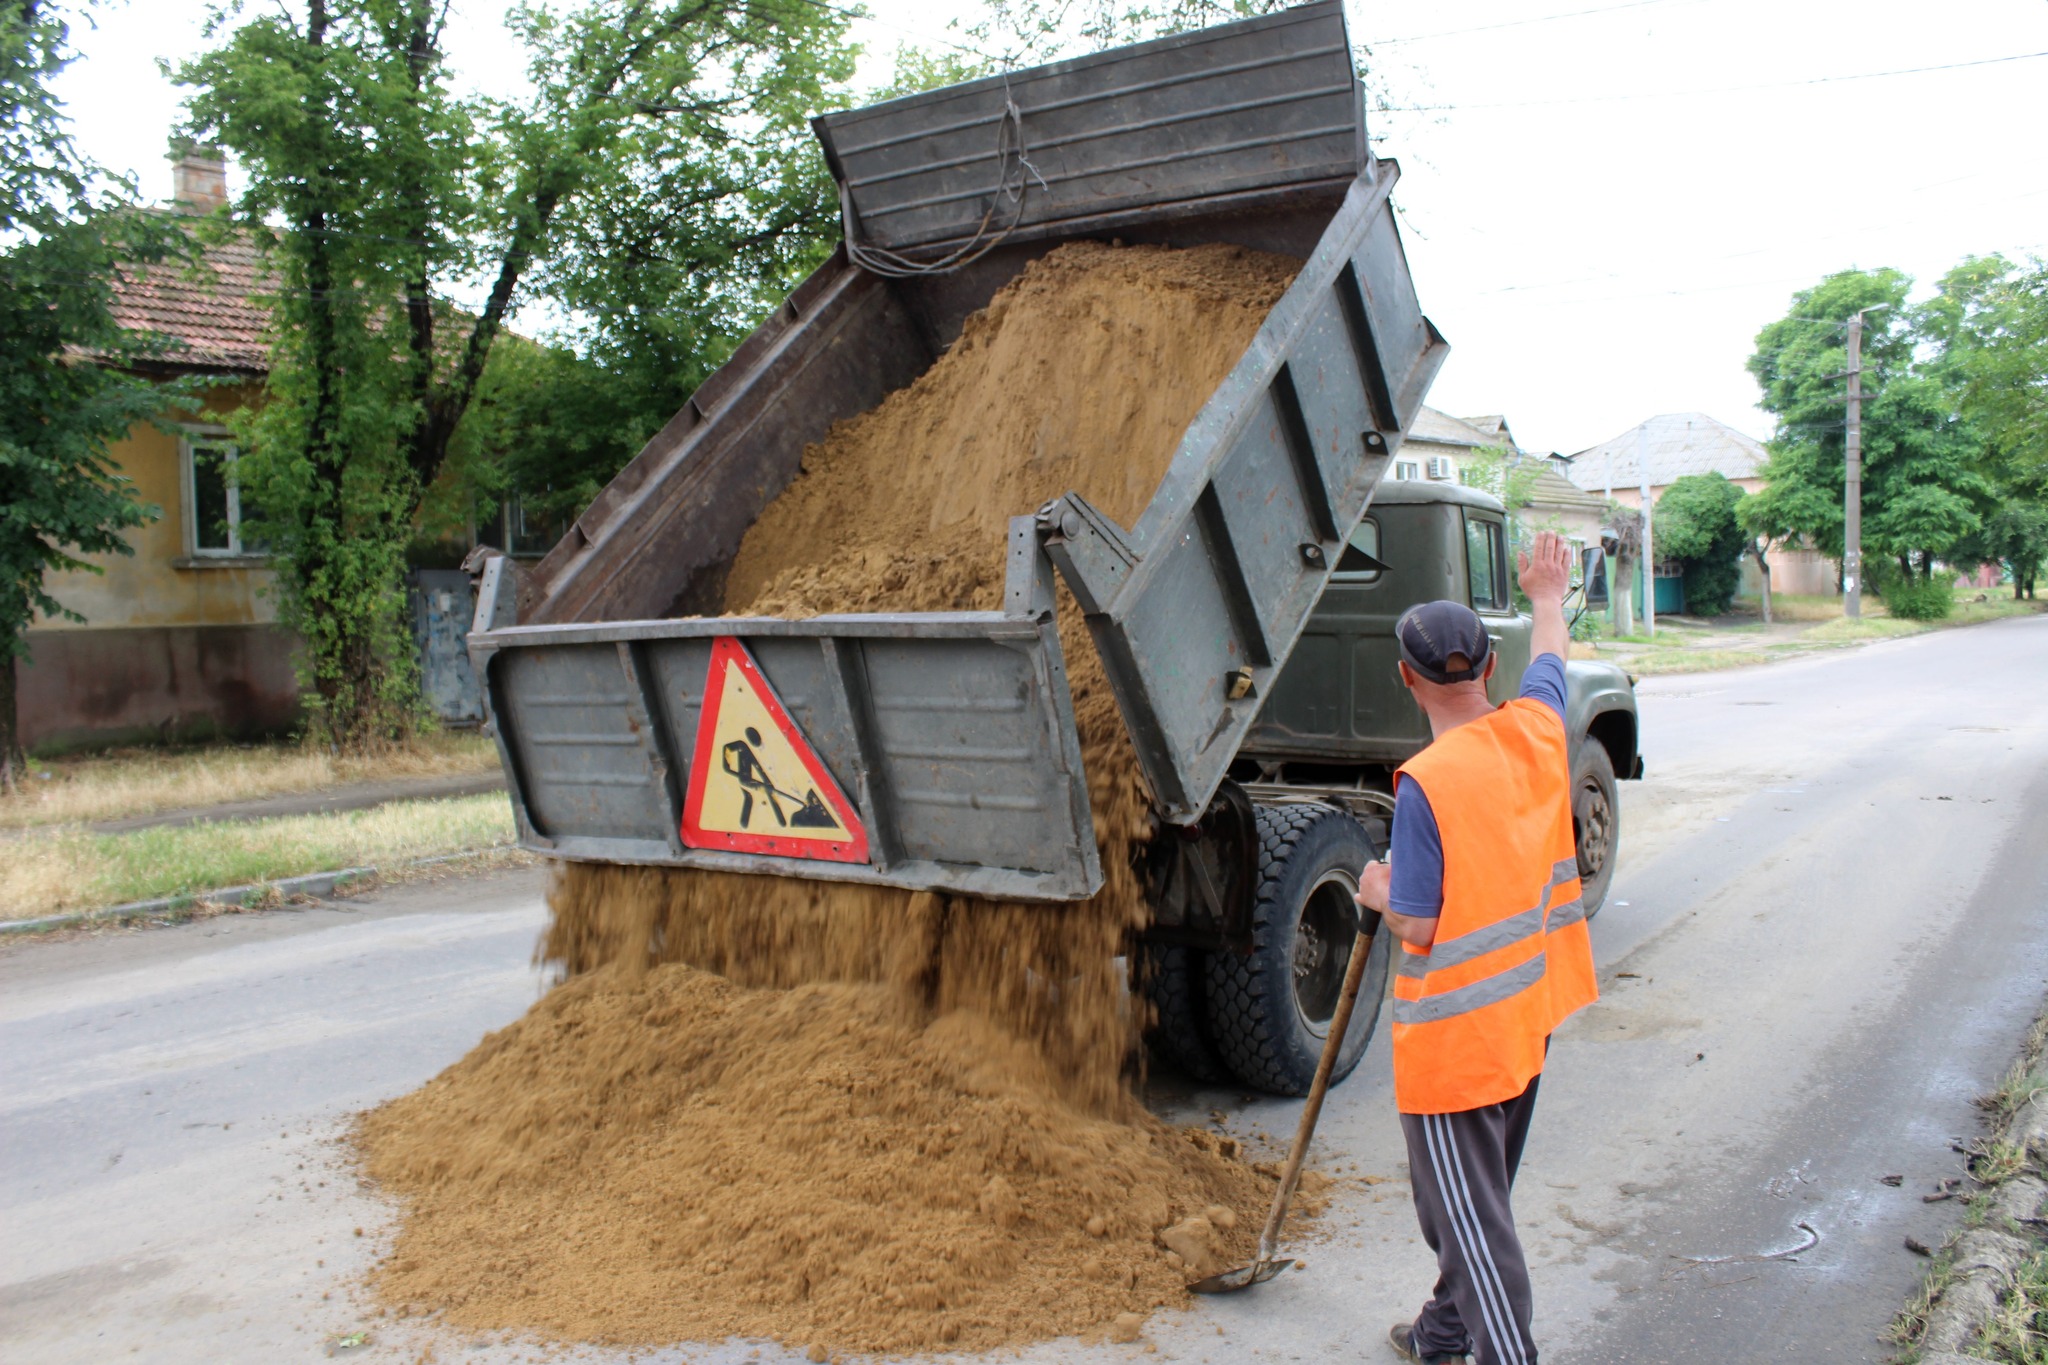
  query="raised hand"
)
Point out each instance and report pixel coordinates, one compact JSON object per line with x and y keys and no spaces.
{"x":1546,"y":569}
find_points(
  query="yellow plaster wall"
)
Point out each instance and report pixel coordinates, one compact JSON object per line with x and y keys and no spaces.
{"x":149,"y":588}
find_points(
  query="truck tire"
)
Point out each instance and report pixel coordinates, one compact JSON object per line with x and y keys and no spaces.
{"x":1179,"y":1033}
{"x":1596,"y":821}
{"x":1269,"y":1011}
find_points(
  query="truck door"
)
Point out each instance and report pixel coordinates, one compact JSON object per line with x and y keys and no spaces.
{"x":1488,"y":578}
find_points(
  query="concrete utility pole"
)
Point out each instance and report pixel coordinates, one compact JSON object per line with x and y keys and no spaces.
{"x":1852,"y":490}
{"x":1649,"y":555}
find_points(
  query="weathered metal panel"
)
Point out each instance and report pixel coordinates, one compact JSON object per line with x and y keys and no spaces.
{"x":1258,"y":104}
{"x":953,"y":733}
{"x":442,"y":606}
{"x":1200,"y":603}
{"x":660,"y":536}
{"x":563,"y":712}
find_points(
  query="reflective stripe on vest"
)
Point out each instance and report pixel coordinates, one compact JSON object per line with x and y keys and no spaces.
{"x":1528,"y":923}
{"x":1512,"y":958}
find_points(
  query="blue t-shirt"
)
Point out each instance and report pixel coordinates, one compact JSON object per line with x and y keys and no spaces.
{"x":1417,"y":851}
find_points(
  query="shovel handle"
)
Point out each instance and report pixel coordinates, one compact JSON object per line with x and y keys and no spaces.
{"x":1340,"y":1024}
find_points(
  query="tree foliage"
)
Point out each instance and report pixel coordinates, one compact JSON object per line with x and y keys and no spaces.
{"x":1027,"y":31}
{"x":1987,"y":330}
{"x":656,"y":184}
{"x":1925,"y":491}
{"x":66,"y":234}
{"x":1696,"y":524}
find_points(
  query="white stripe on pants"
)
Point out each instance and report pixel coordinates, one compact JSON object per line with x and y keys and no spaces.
{"x":1462,"y":1167}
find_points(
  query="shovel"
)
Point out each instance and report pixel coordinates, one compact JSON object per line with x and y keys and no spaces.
{"x":1267,"y":1266}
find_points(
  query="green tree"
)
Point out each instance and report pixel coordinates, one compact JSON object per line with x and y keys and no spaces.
{"x":657,"y":184}
{"x":68,"y":231}
{"x":1029,"y":31}
{"x":1924,"y":491}
{"x":1696,"y":524}
{"x":1987,"y":335}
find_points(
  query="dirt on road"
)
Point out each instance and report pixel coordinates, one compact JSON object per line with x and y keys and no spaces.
{"x":860,"y":1117}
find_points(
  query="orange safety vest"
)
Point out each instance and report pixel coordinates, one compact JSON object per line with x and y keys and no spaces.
{"x":1512,"y":958}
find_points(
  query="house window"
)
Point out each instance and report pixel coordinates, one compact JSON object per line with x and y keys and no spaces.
{"x":1407,"y":469}
{"x":216,"y":507}
{"x":1486,"y":564}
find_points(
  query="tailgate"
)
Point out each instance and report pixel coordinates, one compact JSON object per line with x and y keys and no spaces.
{"x":949,"y":738}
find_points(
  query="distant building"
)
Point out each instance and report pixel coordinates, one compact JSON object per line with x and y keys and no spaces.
{"x":180,"y":638}
{"x":1438,"y":447}
{"x":1443,"y":449}
{"x":1670,"y":447}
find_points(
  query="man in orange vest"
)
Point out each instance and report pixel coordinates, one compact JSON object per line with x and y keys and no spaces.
{"x":1481,"y":887}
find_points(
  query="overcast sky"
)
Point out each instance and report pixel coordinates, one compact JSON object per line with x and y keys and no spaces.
{"x":1604,"y":200}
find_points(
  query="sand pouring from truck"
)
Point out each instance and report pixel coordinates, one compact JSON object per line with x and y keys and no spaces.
{"x":1244,"y":619}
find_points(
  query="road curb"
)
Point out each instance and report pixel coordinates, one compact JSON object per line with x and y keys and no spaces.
{"x":320,"y":885}
{"x":1986,"y":1260}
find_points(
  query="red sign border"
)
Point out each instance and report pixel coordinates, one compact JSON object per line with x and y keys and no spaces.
{"x":728,"y":653}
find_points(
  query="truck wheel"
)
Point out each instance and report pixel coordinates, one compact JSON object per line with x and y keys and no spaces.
{"x":1270,"y":1011}
{"x":1179,"y":1032}
{"x":1596,"y":821}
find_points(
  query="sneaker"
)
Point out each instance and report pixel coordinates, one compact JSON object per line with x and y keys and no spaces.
{"x":1402,"y":1338}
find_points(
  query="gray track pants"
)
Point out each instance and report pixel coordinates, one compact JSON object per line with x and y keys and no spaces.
{"x":1462,"y":1167}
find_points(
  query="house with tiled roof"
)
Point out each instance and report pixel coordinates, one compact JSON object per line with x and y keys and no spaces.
{"x":1669,"y":447}
{"x":181,"y":638}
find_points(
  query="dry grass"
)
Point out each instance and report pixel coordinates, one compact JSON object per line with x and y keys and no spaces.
{"x":1692,"y":660}
{"x":1842,"y":630}
{"x":141,"y":781}
{"x":71,"y":869}
{"x":1789,"y":607}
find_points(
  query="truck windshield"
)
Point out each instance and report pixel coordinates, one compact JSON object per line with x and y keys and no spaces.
{"x":1485,"y":563}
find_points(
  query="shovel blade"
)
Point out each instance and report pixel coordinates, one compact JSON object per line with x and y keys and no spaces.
{"x":1243,"y":1277}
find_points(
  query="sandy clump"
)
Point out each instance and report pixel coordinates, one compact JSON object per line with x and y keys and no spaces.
{"x":881,"y":1119}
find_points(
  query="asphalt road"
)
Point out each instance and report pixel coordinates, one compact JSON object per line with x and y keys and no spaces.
{"x":1825,"y":938}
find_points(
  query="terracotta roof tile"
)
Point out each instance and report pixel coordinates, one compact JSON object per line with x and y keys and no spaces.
{"x":207,"y":307}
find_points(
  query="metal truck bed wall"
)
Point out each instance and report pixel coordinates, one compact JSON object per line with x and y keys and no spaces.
{"x":953,"y":733}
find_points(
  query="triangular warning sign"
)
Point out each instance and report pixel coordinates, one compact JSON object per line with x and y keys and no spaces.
{"x":756,"y":784}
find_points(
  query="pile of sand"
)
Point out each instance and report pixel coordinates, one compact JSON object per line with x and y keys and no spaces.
{"x":891,"y":1120}
{"x":664,"y":1156}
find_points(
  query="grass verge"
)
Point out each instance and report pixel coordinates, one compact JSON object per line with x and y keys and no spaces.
{"x":82,"y":789}
{"x":1694,"y":660}
{"x":47,"y":872}
{"x":2018,"y":1332}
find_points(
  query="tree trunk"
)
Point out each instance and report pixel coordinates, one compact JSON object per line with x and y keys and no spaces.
{"x":13,"y":763}
{"x":1763,"y":565}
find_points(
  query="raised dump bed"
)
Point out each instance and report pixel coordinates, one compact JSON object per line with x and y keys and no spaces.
{"x":944,"y":743}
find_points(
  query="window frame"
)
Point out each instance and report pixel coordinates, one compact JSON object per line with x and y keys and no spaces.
{"x":1498,"y":535}
{"x":193,"y":438}
{"x":1361,"y":577}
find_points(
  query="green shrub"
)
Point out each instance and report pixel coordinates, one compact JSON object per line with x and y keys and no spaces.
{"x":1914,"y":599}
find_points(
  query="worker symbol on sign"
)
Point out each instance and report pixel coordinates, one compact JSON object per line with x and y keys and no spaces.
{"x":756,"y":783}
{"x":739,"y":759}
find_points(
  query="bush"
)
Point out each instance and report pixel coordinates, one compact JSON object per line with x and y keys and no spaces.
{"x":1695,"y":523}
{"x":1914,"y":599}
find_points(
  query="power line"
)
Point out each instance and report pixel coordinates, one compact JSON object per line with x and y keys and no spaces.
{"x":1517,"y":23}
{"x":1715,"y":90}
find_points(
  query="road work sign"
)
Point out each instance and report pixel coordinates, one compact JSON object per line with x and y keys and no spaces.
{"x":756,"y":784}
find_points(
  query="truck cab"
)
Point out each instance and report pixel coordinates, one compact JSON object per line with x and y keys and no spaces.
{"x":1339,"y":717}
{"x":1254,"y":919}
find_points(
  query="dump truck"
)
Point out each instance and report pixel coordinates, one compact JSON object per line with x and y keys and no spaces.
{"x":1244,"y":621}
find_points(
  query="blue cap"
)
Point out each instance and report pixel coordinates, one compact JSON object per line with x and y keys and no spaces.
{"x":1431,"y":632}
